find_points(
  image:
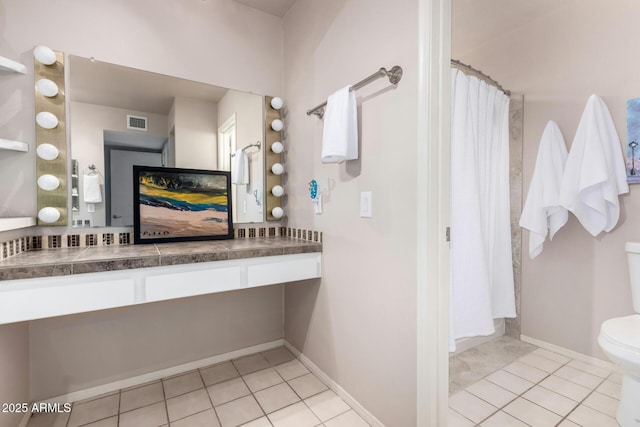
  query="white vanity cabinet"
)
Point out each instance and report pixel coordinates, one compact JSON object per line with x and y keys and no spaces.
{"x":37,"y":298}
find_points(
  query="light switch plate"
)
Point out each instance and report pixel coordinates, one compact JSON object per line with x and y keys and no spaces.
{"x":366,"y":209}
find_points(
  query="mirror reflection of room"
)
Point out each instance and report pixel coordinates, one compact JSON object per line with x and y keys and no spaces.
{"x":120,"y":117}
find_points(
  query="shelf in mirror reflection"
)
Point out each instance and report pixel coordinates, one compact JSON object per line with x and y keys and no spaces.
{"x":103,"y":94}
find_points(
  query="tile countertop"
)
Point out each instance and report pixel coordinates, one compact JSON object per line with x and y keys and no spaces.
{"x":61,"y":262}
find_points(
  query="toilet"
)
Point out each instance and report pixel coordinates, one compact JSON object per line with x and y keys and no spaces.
{"x":620,"y":340}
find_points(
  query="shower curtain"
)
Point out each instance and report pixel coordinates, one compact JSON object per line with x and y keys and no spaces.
{"x":481,"y":265}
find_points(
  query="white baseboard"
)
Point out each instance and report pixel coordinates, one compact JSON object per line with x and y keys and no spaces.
{"x":163,"y":373}
{"x":25,"y":420}
{"x":355,"y":405}
{"x":570,"y":353}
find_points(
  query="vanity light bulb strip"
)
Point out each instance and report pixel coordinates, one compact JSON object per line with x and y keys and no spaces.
{"x":51,"y":140}
{"x":275,"y":168}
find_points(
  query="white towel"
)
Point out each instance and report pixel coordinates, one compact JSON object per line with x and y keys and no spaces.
{"x":542,"y":212}
{"x":340,"y":131}
{"x":91,"y":189}
{"x":595,"y":173}
{"x":240,"y":168}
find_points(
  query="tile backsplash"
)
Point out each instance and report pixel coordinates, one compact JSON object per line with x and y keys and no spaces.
{"x":29,"y":243}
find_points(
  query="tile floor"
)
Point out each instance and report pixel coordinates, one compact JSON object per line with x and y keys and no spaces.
{"x":268,"y":389}
{"x":509,"y":383}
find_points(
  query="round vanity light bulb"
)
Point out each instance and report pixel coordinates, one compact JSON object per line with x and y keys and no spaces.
{"x":47,"y":151}
{"x":277,"y":125}
{"x":49,"y":215}
{"x":277,"y":168}
{"x":277,"y":147}
{"x":44,"y":55}
{"x":276,"y":103}
{"x":277,"y":190}
{"x":46,"y":120}
{"x":277,"y":212}
{"x":48,"y":182}
{"x":47,"y":87}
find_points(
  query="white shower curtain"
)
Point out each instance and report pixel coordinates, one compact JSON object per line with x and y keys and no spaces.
{"x":481,"y":264}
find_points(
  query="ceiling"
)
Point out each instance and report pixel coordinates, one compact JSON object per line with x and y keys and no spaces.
{"x":272,"y":7}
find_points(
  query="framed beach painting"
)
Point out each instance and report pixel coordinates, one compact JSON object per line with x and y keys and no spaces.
{"x":177,"y":205}
{"x":633,"y":141}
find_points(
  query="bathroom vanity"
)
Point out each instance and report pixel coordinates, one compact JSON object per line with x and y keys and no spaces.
{"x":56,"y":282}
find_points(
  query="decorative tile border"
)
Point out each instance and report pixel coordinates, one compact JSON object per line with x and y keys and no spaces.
{"x":81,"y":240}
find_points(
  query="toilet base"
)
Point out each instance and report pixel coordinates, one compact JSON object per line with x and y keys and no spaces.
{"x":628,"y":414}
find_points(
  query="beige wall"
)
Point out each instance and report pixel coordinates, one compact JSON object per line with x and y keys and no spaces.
{"x":87,"y":125}
{"x":358,"y":324}
{"x":187,"y":39}
{"x":14,"y":369}
{"x":557,"y":59}
{"x":196,"y":133}
{"x":71,"y":353}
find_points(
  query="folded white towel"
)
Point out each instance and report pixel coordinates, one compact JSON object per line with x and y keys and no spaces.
{"x":340,"y":131}
{"x":595,"y":172}
{"x":542,"y":212}
{"x":91,"y":189}
{"x":240,"y":168}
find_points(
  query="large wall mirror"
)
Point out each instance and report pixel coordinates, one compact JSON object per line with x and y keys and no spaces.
{"x":120,"y":117}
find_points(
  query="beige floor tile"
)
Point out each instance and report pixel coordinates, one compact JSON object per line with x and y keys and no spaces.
{"x":248,"y":364}
{"x":610,"y":389}
{"x":502,"y":419}
{"x":107,"y":422}
{"x":511,"y":382}
{"x":491,"y":393}
{"x":556,"y":357}
{"x":592,"y":369}
{"x":578,"y":376}
{"x":470,"y":406}
{"x":565,"y":387}
{"x":567,"y":423}
{"x":148,"y":416}
{"x":540,"y":362}
{"x":239,"y":411}
{"x":525,"y":371}
{"x":260,"y":422}
{"x":327,"y":405}
{"x":188,"y":404}
{"x":141,"y":396}
{"x":616,"y":377}
{"x":260,"y":380}
{"x":456,"y":420}
{"x":276,"y":397}
{"x":296,"y":415}
{"x":602,"y":403}
{"x":348,"y":419}
{"x":94,"y":410}
{"x":278,"y":355}
{"x":175,"y":386}
{"x":100,"y":396}
{"x":532,"y":414}
{"x":206,"y":418}
{"x":550,"y":400}
{"x":307,"y":385}
{"x":227,"y":391}
{"x":587,"y":417}
{"x":292,"y":369}
{"x":218,"y":373}
{"x":49,"y":420}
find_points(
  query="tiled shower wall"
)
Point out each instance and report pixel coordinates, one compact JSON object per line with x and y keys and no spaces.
{"x":516,"y":119}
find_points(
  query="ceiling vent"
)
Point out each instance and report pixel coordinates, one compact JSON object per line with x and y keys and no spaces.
{"x":136,"y":122}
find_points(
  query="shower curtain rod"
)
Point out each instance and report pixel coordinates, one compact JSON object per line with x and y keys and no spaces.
{"x":462,"y":66}
{"x":394,"y":74}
